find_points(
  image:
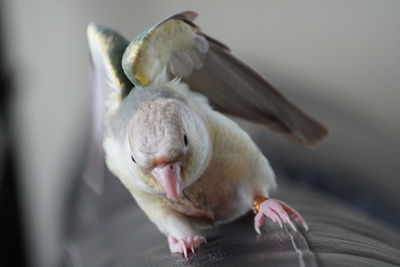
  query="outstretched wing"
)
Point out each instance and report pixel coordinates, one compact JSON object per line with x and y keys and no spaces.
{"x":110,"y":85}
{"x":176,"y":47}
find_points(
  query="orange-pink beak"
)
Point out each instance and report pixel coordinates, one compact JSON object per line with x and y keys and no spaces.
{"x":168,"y":176}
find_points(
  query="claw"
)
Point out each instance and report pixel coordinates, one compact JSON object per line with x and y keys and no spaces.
{"x":258,"y":221}
{"x":277,"y":219}
{"x":258,"y":230}
{"x":257,"y":227}
{"x":190,"y":241}
{"x":184,"y":245}
{"x":279,"y":212}
{"x":296,"y":215}
{"x":286,"y":219}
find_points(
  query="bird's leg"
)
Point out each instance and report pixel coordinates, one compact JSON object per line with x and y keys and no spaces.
{"x":186,"y":244}
{"x":279,"y":212}
{"x":182,"y":237}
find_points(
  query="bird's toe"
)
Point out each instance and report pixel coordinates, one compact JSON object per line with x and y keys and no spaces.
{"x":182,"y":246}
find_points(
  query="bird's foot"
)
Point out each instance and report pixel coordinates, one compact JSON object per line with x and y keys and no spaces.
{"x":182,"y":246}
{"x":279,"y":212}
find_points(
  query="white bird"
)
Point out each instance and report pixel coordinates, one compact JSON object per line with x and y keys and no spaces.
{"x":186,"y":164}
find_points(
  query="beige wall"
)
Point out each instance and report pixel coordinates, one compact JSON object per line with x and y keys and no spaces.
{"x":339,"y":60}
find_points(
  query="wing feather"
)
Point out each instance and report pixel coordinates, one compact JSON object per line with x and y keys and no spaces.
{"x":176,"y":47}
{"x":110,"y":85}
{"x":234,"y":88}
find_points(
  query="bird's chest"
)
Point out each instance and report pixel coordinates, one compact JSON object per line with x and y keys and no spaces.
{"x":217,"y":195}
{"x":194,"y":203}
{"x":222,"y":193}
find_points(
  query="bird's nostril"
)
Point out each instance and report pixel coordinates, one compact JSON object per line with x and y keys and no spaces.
{"x":171,"y":167}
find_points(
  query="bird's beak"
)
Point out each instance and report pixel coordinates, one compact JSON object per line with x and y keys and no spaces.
{"x":168,"y":176}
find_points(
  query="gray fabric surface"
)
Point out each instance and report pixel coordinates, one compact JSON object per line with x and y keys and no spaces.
{"x":110,"y":230}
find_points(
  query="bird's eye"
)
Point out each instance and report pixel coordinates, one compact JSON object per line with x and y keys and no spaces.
{"x":133,"y":159}
{"x":185,"y":140}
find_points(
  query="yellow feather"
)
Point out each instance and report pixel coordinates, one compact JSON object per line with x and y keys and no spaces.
{"x":147,"y":57}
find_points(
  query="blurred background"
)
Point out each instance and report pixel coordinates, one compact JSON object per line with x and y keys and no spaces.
{"x":338,"y":60}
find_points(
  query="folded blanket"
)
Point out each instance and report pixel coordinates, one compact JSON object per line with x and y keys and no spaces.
{"x":110,"y":230}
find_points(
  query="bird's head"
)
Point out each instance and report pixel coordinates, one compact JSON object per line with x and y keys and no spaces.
{"x":169,"y":145}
